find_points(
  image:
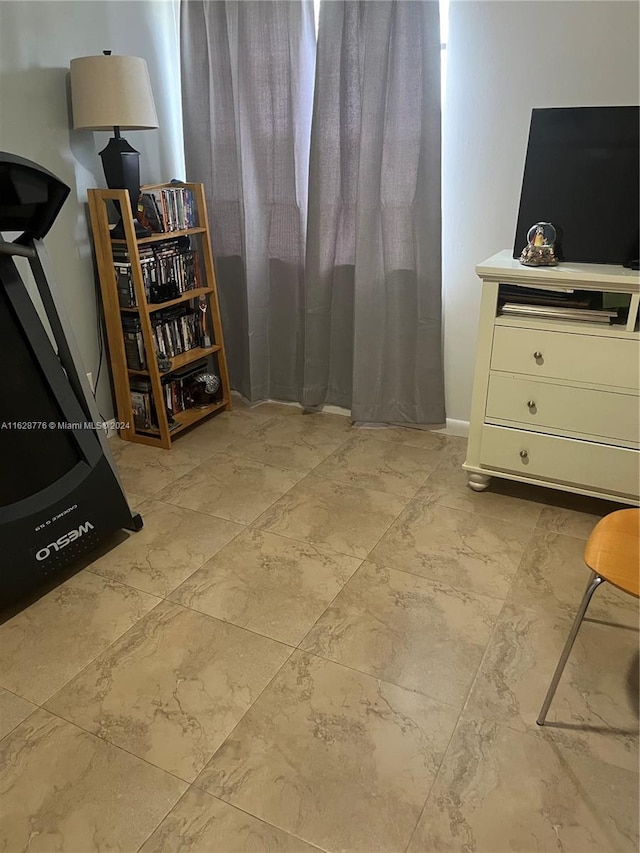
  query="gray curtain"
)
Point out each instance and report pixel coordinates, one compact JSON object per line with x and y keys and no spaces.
{"x":247,"y":88}
{"x":373,"y":340}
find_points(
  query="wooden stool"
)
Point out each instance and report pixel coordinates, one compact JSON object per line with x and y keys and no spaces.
{"x":613,"y":555}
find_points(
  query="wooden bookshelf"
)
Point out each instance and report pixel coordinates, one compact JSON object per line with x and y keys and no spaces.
{"x":159,"y":434}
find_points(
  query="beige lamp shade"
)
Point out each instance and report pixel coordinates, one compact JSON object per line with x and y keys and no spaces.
{"x":111,"y":91}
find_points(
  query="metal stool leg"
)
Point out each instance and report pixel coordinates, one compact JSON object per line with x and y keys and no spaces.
{"x":594,"y":582}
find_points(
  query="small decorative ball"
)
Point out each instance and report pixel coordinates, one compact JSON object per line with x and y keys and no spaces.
{"x":203,"y":388}
{"x":210,"y":381}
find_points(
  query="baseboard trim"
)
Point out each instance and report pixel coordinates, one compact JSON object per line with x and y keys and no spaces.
{"x":453,"y":427}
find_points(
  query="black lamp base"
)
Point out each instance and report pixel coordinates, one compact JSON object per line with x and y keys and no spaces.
{"x":121,"y":164}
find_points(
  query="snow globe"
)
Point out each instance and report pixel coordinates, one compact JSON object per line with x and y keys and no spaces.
{"x":539,"y":251}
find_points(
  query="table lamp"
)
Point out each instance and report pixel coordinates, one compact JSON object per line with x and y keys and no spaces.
{"x":115,"y":92}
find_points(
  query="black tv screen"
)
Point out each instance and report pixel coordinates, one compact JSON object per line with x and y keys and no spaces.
{"x":581,"y":174}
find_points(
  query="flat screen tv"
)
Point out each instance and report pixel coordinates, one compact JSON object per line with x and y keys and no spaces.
{"x":581,"y":174}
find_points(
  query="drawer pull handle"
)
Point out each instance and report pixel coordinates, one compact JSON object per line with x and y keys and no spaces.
{"x":531,"y":404}
{"x":537,"y":355}
{"x":524,"y":454}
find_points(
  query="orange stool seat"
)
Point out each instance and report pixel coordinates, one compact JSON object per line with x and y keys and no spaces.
{"x":613,"y":555}
{"x":613,"y":550}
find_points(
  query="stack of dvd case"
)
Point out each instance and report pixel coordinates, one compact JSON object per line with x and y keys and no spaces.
{"x":133,"y":343}
{"x":168,"y":269}
{"x":144,"y":414}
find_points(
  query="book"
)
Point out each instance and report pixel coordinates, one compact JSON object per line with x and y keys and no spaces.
{"x":141,"y":407}
{"x":554,"y":312}
{"x":148,"y":213}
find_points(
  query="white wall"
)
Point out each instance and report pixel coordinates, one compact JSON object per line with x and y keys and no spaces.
{"x":37,"y":42}
{"x":504,"y":58}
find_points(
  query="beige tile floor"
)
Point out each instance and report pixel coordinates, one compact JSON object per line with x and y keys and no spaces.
{"x":321,"y":640}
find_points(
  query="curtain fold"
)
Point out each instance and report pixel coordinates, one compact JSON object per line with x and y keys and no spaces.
{"x":344,"y":309}
{"x":373,"y":337}
{"x":247,"y":87}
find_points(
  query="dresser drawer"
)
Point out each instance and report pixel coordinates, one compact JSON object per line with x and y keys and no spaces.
{"x":600,"y":467}
{"x":597,"y":360}
{"x":584,"y":411}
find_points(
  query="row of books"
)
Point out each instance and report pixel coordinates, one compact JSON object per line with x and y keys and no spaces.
{"x":168,"y":209}
{"x":168,"y":270}
{"x":175,"y":330}
{"x":177,"y":397}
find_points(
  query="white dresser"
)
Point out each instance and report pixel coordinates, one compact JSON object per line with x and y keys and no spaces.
{"x":556,"y":402}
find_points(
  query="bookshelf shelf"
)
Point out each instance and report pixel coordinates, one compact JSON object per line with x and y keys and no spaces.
{"x":185,"y":297}
{"x":160,"y":306}
{"x":165,"y":235}
{"x":181,"y":360}
{"x":192,"y":416}
{"x":157,"y":405}
{"x":188,"y":418}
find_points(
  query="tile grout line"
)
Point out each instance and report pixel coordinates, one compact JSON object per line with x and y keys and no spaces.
{"x":240,"y":719}
{"x":108,"y":646}
{"x":433,"y":783}
{"x":116,"y":746}
{"x":455,"y":729}
{"x":24,"y":699}
{"x":237,"y":808}
{"x":222,"y":621}
{"x":380,"y":680}
{"x":163,"y":818}
{"x":243,"y":527}
{"x":102,"y":651}
{"x":24,"y":720}
{"x":328,"y":607}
